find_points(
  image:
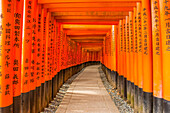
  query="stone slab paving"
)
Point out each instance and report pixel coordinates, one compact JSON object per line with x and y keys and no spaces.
{"x":87,"y":94}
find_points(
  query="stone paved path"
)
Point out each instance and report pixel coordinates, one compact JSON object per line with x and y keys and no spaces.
{"x":87,"y":94}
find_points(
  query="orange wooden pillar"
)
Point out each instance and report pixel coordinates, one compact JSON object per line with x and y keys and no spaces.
{"x":26,"y":59}
{"x":17,"y":49}
{"x":128,"y":59}
{"x":113,"y":55}
{"x":165,"y":43}
{"x":140,"y":58}
{"x":147,"y":56}
{"x":116,"y":53}
{"x":33,"y":59}
{"x":49,"y":49}
{"x":55,"y":59}
{"x":6,"y":56}
{"x":121,"y":57}
{"x":112,"y":48}
{"x":157,"y":57}
{"x":131,"y":40}
{"x":109,"y":51}
{"x":26,"y":56}
{"x":43,"y":37}
{"x":124,"y":60}
{"x":104,"y":48}
{"x":135,"y":69}
{"x":38,"y":68}
{"x":47,"y":59}
{"x":52,"y":44}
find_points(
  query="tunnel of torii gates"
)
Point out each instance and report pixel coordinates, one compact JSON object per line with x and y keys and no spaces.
{"x":45,"y":42}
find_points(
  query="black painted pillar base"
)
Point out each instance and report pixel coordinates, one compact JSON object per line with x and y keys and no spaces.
{"x":125,"y":88}
{"x":42,"y":96}
{"x":32,"y":101}
{"x":140,"y":100}
{"x":132,"y":94}
{"x":16,"y":104}
{"x":38,"y":99}
{"x":136,"y":99}
{"x":158,"y":105}
{"x":8,"y":109}
{"x":129,"y":92}
{"x":166,"y":106}
{"x":46,"y":93}
{"x":122,"y":86}
{"x":113,"y":77}
{"x":147,"y":102}
{"x":25,"y":102}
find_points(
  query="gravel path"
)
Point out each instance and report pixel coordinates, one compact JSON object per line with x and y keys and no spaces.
{"x":119,"y":102}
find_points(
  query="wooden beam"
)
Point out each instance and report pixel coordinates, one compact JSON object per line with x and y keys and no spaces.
{"x":91,"y":17}
{"x":89,"y":5}
{"x":92,"y":49}
{"x":74,"y":36}
{"x":89,"y":41}
{"x":99,"y":47}
{"x":86,"y":37}
{"x":86,"y":1}
{"x":87,"y":33}
{"x":87,"y":27}
{"x":85,"y":20}
{"x":92,"y":23}
{"x":70,"y":9}
{"x":65,"y":26}
{"x":85,"y":44}
{"x":91,"y":13}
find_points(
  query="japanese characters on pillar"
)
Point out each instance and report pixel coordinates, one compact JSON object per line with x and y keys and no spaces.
{"x":52,"y":48}
{"x":118,"y":49}
{"x":131,"y":42}
{"x":26,"y":48}
{"x":135,"y":59}
{"x":157,"y":56}
{"x":127,"y":49}
{"x":121,"y":47}
{"x":147,"y":40}
{"x":17,"y":46}
{"x":109,"y":49}
{"x":64,"y":51}
{"x":55,"y":47}
{"x":165,"y":36}
{"x":135,"y":47}
{"x":147,"y":56}
{"x":39,"y":46}
{"x":62,"y":54}
{"x":124,"y":48}
{"x":48,"y":38}
{"x":139,"y":46}
{"x":49,"y":48}
{"x":69,"y":52}
{"x":33,"y":48}
{"x":6,"y":53}
{"x":58,"y":46}
{"x":43,"y":37}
